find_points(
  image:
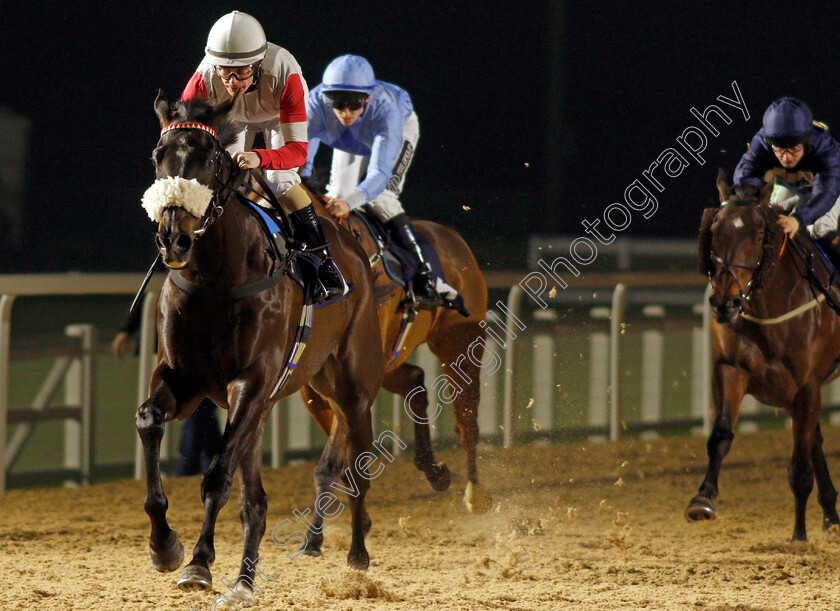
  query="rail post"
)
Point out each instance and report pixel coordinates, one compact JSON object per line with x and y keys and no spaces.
{"x":146,"y":338}
{"x":514,"y":303}
{"x":79,"y":391}
{"x":6,"y":302}
{"x":619,"y":304}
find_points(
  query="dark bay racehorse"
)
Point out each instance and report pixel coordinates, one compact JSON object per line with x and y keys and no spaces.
{"x":775,"y":337}
{"x":457,"y":341}
{"x":232,"y":348}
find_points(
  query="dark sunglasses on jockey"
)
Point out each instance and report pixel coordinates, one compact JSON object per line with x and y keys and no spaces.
{"x":240,"y":72}
{"x":346,"y":99}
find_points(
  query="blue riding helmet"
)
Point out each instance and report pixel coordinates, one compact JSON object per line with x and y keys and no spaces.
{"x":349,"y":73}
{"x":787,"y":123}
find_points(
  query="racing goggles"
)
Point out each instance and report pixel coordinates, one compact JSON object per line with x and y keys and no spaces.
{"x":226,"y":73}
{"x":352,"y":100}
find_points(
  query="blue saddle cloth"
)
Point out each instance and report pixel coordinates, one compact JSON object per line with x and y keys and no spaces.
{"x":269,"y":221}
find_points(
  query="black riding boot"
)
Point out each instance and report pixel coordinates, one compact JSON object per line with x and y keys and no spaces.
{"x":308,"y":229}
{"x":423,"y":283}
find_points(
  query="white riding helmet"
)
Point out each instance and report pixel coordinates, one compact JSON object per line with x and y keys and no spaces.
{"x":237,"y":39}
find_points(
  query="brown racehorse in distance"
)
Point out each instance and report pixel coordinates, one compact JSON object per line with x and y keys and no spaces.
{"x":450,"y":337}
{"x":215,"y":342}
{"x":772,"y":339}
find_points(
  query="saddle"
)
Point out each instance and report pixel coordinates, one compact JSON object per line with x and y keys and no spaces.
{"x":401,"y":265}
{"x":301,"y":266}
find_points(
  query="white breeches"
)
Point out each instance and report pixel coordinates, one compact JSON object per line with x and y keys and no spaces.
{"x":348,"y":170}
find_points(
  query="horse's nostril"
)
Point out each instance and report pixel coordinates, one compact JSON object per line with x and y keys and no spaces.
{"x":736,"y":303}
{"x":183,"y":242}
{"x":161,"y":241}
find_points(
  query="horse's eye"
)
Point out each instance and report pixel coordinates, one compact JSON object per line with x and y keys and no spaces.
{"x":210,"y":161}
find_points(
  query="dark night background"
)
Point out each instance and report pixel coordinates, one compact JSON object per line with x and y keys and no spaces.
{"x":536,"y":115}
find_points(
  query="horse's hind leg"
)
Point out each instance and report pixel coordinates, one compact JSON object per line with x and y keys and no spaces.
{"x":247,"y":403}
{"x":827,"y":494}
{"x":353,"y":385}
{"x":801,"y":469}
{"x":461,"y":354}
{"x":327,"y":472}
{"x":402,"y":381}
{"x":165,"y":549}
{"x":729,"y":385}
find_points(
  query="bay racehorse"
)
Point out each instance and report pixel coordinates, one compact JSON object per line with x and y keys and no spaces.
{"x":230,"y":323}
{"x":456,"y":340}
{"x":775,"y":337}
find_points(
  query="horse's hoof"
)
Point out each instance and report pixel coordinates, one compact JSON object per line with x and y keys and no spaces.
{"x":358,"y":559}
{"x":476,"y":499}
{"x":439,"y":477}
{"x":314,"y":541}
{"x":245,"y":593}
{"x":700,"y":508}
{"x":831,"y":525}
{"x":195,"y":577}
{"x":170,"y":555}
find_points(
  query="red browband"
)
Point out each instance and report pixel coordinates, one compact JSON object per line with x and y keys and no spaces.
{"x":201,"y":126}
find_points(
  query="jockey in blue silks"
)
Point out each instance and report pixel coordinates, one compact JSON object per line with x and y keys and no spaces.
{"x":802,"y":158}
{"x":373,"y":131}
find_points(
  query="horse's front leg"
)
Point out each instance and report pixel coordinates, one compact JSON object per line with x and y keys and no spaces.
{"x":165,"y":549}
{"x":807,"y":405}
{"x":247,"y":400}
{"x":408,"y":380}
{"x":729,"y":384}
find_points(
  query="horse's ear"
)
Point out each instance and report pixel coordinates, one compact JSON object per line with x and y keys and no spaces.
{"x":774,"y":240}
{"x":704,"y":246}
{"x":162,"y":109}
{"x":723,"y":187}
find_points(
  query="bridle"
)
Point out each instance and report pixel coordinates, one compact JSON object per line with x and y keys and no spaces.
{"x":217,"y":204}
{"x":726,"y":265}
{"x":222,"y":190}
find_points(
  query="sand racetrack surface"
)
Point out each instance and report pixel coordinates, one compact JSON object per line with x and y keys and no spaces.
{"x":573,"y":526}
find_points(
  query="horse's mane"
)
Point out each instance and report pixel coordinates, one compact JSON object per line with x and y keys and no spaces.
{"x":202,"y":111}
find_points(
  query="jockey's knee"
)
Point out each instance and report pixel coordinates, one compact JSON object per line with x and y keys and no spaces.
{"x":386,"y":206}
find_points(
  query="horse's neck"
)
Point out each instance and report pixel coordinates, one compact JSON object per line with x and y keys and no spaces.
{"x":788,"y":287}
{"x":224,"y":255}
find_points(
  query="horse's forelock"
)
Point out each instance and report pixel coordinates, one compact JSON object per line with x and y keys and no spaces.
{"x":201,"y":111}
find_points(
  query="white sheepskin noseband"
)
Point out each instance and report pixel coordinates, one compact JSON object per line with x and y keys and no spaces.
{"x":176,"y":192}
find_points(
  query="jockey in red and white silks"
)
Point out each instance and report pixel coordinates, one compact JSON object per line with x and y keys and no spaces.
{"x":272,"y":100}
{"x":275,"y":104}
